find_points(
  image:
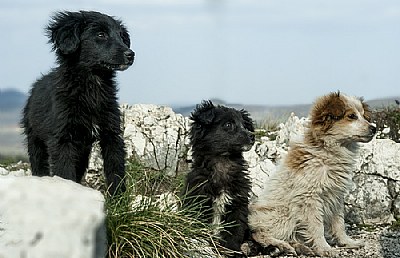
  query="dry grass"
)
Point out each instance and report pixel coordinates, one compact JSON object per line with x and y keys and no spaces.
{"x":141,"y":223}
{"x":387,"y":120}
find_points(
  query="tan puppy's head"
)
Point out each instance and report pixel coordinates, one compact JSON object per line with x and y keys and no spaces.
{"x":340,"y":120}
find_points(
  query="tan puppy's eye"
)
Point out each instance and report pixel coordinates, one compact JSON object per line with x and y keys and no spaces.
{"x":353,"y":116}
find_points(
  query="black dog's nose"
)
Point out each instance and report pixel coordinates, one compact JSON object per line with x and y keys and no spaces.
{"x":130,"y":55}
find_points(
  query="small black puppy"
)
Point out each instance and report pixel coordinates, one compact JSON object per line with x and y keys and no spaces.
{"x":219,"y":180}
{"x":76,"y":103}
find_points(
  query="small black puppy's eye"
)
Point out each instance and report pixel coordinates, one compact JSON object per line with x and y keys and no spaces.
{"x":352,"y":116}
{"x":228,"y":125}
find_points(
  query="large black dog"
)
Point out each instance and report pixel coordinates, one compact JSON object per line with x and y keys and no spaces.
{"x":219,"y":181}
{"x":76,"y":103}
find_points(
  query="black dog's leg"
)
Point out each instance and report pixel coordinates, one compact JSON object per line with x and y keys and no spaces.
{"x":82,"y":163}
{"x":112,"y":150}
{"x":63,"y":158}
{"x":38,"y":156}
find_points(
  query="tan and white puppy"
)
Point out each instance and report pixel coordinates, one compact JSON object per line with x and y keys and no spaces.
{"x":304,"y":198}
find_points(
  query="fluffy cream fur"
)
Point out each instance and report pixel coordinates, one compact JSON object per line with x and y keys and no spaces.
{"x":304,"y":198}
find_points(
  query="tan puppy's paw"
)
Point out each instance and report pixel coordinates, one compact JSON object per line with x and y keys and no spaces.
{"x":302,"y":249}
{"x":326,"y":252}
{"x":351,"y":244}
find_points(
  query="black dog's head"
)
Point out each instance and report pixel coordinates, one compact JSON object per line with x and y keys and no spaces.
{"x":91,"y":40}
{"x":220,"y":130}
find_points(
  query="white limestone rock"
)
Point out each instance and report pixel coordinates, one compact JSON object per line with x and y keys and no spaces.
{"x":261,"y":161}
{"x":292,"y":130}
{"x":155,"y":136}
{"x":47,"y":217}
{"x":158,"y":138}
{"x":3,"y":171}
{"x":375,"y":195}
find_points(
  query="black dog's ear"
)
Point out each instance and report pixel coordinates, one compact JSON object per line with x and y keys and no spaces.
{"x":248,"y":122}
{"x":203,"y":114}
{"x":125,"y":36}
{"x":64,"y":31}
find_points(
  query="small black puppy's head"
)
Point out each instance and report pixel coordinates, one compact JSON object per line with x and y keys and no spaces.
{"x":220,"y":130}
{"x":91,"y":40}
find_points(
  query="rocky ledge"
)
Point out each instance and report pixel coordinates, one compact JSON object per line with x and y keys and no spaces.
{"x":30,"y":207}
{"x":158,"y":137}
{"x":380,"y":242}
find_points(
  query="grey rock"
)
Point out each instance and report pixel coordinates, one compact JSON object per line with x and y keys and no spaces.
{"x":155,"y":135}
{"x":46,"y":218}
{"x":50,"y":217}
{"x":4,"y":171}
{"x":380,"y":242}
{"x":374,"y":197}
{"x":158,"y":138}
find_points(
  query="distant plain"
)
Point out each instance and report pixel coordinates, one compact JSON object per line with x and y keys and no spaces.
{"x":12,"y":140}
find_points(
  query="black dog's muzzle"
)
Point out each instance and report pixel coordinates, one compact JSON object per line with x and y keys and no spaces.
{"x":129,"y":56}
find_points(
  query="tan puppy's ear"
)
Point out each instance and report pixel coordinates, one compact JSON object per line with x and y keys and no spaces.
{"x":367,"y":110}
{"x":327,"y":109}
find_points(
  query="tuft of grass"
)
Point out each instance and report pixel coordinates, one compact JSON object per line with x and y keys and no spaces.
{"x":395,"y":225}
{"x":268,"y":127}
{"x":7,"y":160}
{"x":142,"y":223}
{"x":367,"y":227}
{"x":269,"y":124}
{"x":149,"y":181}
{"x":387,"y":118}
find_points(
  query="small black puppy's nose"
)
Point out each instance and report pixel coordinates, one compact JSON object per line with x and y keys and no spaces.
{"x":372,"y":129}
{"x":252,"y":137}
{"x":130,"y":55}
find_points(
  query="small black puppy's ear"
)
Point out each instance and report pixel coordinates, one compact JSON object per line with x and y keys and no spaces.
{"x":64,"y":31}
{"x":248,"y":122}
{"x":203,"y":114}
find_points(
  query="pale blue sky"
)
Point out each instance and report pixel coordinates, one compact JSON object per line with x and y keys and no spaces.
{"x":242,"y":51}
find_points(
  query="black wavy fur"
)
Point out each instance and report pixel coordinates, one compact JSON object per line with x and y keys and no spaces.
{"x":76,"y":103}
{"x":219,"y":135}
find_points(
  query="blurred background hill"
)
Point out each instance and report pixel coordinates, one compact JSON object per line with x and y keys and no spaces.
{"x":12,"y":102}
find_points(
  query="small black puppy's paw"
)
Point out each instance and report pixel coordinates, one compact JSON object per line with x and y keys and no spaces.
{"x":252,"y":248}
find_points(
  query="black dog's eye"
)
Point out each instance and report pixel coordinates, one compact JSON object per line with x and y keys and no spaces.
{"x":352,"y":116}
{"x":102,"y":35}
